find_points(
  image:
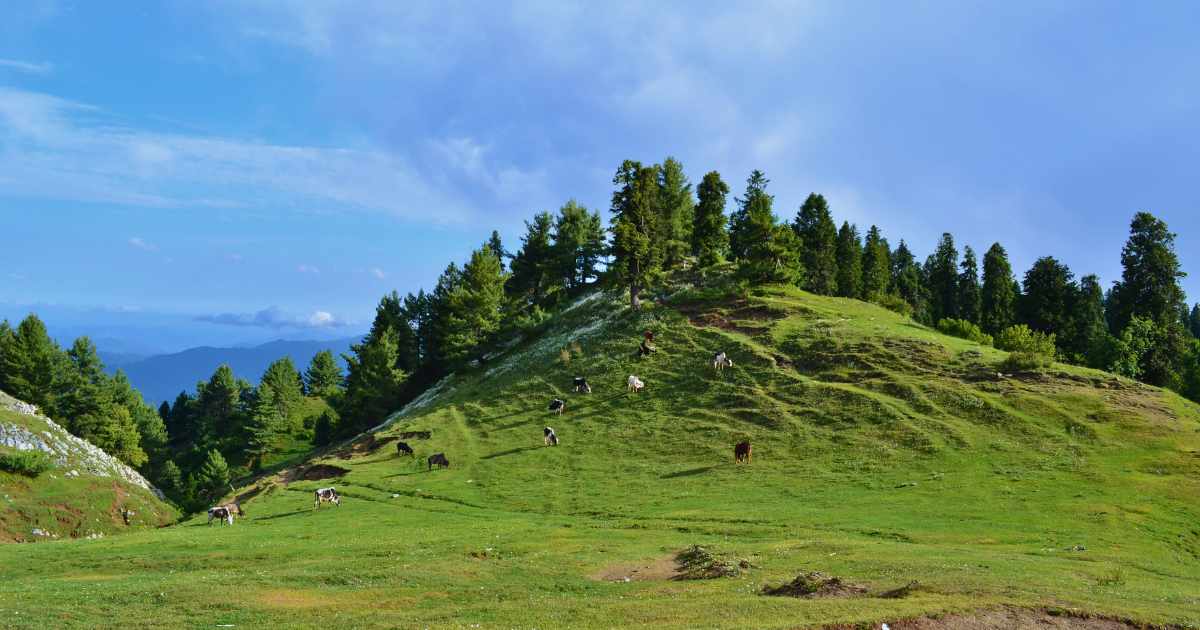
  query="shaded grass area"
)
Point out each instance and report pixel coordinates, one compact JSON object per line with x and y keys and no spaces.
{"x":884,"y":454}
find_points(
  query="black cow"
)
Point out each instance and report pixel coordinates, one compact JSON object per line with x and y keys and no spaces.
{"x":402,"y":448}
{"x":581,"y":385}
{"x":645,"y":349}
{"x":558,"y":405}
{"x":439,"y":459}
{"x":549,"y":437}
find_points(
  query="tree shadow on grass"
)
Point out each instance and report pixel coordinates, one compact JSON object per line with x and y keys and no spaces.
{"x":283,"y":515}
{"x":688,"y":473}
{"x":511,"y":451}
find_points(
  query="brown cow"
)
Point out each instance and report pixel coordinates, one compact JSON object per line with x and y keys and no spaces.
{"x":741,"y":453}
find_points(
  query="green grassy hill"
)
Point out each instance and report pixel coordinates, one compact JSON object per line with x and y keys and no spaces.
{"x":884,"y":454}
{"x":85,"y":493}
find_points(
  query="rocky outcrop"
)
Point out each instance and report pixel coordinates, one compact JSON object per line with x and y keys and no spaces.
{"x":74,"y":456}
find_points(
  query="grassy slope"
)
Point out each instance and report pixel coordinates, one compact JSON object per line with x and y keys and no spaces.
{"x":71,"y":506}
{"x":884,"y":453}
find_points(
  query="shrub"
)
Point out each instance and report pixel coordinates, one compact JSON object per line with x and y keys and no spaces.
{"x":894,"y":303}
{"x":964,"y":329}
{"x":1024,"y":362}
{"x":29,"y":463}
{"x":1020,"y":338}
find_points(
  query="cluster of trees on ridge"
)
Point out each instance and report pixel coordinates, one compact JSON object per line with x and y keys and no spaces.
{"x":1139,"y":327}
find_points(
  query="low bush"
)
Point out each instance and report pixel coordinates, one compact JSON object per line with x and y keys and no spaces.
{"x":30,"y":463}
{"x":1024,"y":362}
{"x":1021,"y":339}
{"x":894,"y":303}
{"x":965,"y":330}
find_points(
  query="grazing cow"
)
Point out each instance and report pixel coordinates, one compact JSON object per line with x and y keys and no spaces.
{"x":550,"y":437}
{"x":581,"y":385}
{"x":645,"y":349}
{"x":635,"y":384}
{"x":439,"y":459}
{"x":558,"y":405}
{"x":402,"y":448}
{"x":224,"y":513}
{"x":741,"y":453}
{"x":326,"y":494}
{"x":720,"y":361}
{"x":648,"y":336}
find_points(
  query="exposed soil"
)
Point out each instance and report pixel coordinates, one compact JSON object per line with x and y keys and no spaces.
{"x":664,"y":568}
{"x":693,"y":563}
{"x":1017,"y":618}
{"x":415,"y":435}
{"x":322,"y":471}
{"x":815,"y":585}
{"x":365,"y":445}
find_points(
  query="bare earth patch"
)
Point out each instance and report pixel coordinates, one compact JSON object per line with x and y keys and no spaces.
{"x":317,"y":472}
{"x":664,"y":568}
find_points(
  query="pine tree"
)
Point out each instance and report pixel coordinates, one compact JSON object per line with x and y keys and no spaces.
{"x":392,"y":314}
{"x":942,"y":275}
{"x":907,"y":281}
{"x":497,"y":246}
{"x":324,"y":377}
{"x":533,"y":268}
{"x":151,"y":428}
{"x":710,"y":241}
{"x":849,"y":262}
{"x":970,"y":298}
{"x":433,"y":329}
{"x":287,"y":388}
{"x":756,"y":193}
{"x":170,"y":479}
{"x":876,"y":266}
{"x":1194,"y":321}
{"x":637,"y":255}
{"x":773,"y":250}
{"x":1045,"y":304}
{"x":1087,"y":328}
{"x":373,"y":383}
{"x":998,"y":295}
{"x":218,"y":406}
{"x":211,"y":479}
{"x":677,"y":209}
{"x":818,"y":234}
{"x":32,"y":365}
{"x":181,"y":423}
{"x":473,"y":309}
{"x":325,"y":428}
{"x":578,"y":245}
{"x":264,"y":427}
{"x":1149,"y":285}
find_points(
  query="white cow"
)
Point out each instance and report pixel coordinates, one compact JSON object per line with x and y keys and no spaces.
{"x":721,"y":361}
{"x":635,"y":384}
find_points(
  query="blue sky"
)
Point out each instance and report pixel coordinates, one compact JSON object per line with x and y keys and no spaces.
{"x":250,"y":170}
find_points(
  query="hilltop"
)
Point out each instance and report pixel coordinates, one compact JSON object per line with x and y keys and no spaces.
{"x":85,"y":493}
{"x":903,"y":462}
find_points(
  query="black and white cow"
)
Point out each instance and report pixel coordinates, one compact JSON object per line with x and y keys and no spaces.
{"x":224,"y":513}
{"x":581,"y":386}
{"x":550,"y":437}
{"x":635,"y":384}
{"x":402,"y":448}
{"x":721,"y":361}
{"x":326,"y":494}
{"x":438,"y":459}
{"x":557,"y":406}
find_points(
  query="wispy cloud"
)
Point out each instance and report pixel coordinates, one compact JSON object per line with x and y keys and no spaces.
{"x":276,"y":318}
{"x":26,"y":66}
{"x":138,"y":242}
{"x":308,"y":269}
{"x":377,"y":272}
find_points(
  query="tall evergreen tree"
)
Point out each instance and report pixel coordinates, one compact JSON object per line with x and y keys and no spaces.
{"x":373,"y":383}
{"x":218,"y":405}
{"x":435,"y":320}
{"x":907,"y":280}
{"x":533,"y":268}
{"x":324,"y":376}
{"x":211,"y":479}
{"x":876,"y":265}
{"x":1087,"y":327}
{"x":849,"y":262}
{"x":756,"y":193}
{"x":1149,"y":285}
{"x":942,"y":276}
{"x":773,"y":250}
{"x":287,"y":388}
{"x":473,"y":308}
{"x":1194,"y":321}
{"x":970,"y":298}
{"x":32,"y":363}
{"x":998,"y":295}
{"x":818,"y":234}
{"x":578,"y":245}
{"x":710,"y":240}
{"x":151,"y":428}
{"x":264,"y":427}
{"x":637,"y":256}
{"x":677,"y":206}
{"x":498,"y":247}
{"x":1045,"y":304}
{"x":392,"y":314}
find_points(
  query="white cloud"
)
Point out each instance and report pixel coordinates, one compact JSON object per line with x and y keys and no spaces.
{"x":26,"y":66}
{"x":308,"y":269}
{"x":234,"y":258}
{"x":276,"y":318}
{"x":378,"y":273}
{"x":140,"y":243}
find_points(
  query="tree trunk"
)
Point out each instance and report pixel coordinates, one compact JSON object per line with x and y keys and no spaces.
{"x":635,"y":302}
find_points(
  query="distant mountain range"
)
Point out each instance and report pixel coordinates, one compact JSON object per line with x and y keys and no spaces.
{"x":162,"y":377}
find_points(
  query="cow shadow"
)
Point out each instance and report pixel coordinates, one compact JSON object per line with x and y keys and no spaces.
{"x":511,"y":451}
{"x":688,"y":473}
{"x":283,"y":515}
